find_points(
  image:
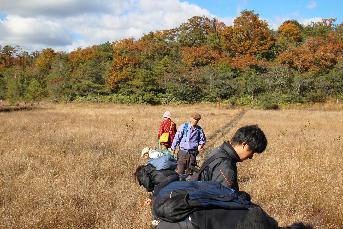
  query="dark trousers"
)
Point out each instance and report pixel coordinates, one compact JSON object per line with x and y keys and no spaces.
{"x":186,"y":224}
{"x":186,"y":161}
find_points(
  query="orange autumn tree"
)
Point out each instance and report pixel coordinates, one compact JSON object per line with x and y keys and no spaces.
{"x":125,"y":61}
{"x":246,"y":62}
{"x":289,"y":33}
{"x":7,"y":56}
{"x":81,"y":56}
{"x":194,"y":57}
{"x":248,"y":41}
{"x":315,"y":55}
{"x":248,"y":36}
{"x":44,"y":60}
{"x":200,"y":41}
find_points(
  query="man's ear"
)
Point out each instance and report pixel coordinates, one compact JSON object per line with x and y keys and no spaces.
{"x":244,"y":144}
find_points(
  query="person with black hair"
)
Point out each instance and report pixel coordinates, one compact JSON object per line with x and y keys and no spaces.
{"x":197,"y":204}
{"x":220,"y":164}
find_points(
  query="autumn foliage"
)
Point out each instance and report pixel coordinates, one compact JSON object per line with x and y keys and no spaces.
{"x":315,"y":55}
{"x":201,"y":60}
{"x":289,"y":31}
{"x":245,"y":62}
{"x":126,"y":53}
{"x":200,"y":56}
{"x":248,"y":36}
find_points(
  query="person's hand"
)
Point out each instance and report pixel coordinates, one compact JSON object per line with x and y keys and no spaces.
{"x":173,"y":152}
{"x":201,"y":148}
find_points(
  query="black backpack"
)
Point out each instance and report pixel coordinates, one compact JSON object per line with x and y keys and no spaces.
{"x":175,"y":202}
{"x":254,"y":217}
{"x":172,"y":209}
{"x":216,"y":218}
{"x":185,"y":224}
{"x":204,"y":166}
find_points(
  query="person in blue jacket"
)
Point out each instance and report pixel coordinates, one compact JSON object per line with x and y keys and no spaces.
{"x":191,"y":140}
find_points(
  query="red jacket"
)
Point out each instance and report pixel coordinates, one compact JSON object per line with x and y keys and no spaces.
{"x":167,"y":125}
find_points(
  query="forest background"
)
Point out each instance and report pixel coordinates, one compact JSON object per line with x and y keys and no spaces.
{"x":202,"y":60}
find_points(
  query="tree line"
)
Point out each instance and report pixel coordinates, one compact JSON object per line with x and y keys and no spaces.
{"x":203,"y":60}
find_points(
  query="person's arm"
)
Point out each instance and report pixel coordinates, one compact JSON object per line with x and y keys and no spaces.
{"x":172,"y":131}
{"x":202,"y":139}
{"x":177,"y":138}
{"x":225,"y":174}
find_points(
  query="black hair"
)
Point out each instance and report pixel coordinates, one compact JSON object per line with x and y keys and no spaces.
{"x":137,"y":172}
{"x":143,"y":176}
{"x":253,"y":136}
{"x":149,"y":177}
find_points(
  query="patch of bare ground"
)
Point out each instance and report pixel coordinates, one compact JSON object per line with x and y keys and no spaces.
{"x":70,"y":166}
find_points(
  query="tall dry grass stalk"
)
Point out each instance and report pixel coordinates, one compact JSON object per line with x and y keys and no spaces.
{"x":70,"y":166}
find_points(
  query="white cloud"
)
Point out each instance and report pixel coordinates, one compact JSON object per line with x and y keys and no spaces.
{"x":68,"y":24}
{"x":227,"y":21}
{"x":308,"y":21}
{"x":277,"y":21}
{"x":312,"y":4}
{"x":61,"y":8}
{"x":22,"y":31}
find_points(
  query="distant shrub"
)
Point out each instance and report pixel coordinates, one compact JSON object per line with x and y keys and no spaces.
{"x":148,"y":98}
{"x":242,"y":101}
{"x":167,"y":99}
{"x":35,"y":91}
{"x":268,"y":101}
{"x":13,"y":94}
{"x":2,"y":87}
{"x":316,"y":96}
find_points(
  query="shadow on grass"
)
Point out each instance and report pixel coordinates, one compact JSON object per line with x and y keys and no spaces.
{"x":298,"y":225}
{"x":18,"y":108}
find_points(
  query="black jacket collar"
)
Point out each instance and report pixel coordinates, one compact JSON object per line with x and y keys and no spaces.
{"x":227,"y":147}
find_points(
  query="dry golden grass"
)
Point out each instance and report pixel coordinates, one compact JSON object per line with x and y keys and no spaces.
{"x":70,"y":166}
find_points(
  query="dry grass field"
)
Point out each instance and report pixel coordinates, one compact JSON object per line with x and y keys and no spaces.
{"x":70,"y":166}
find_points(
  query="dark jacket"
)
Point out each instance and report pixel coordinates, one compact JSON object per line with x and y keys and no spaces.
{"x":252,"y":218}
{"x":222,"y":170}
{"x":149,"y":177}
{"x":216,"y":218}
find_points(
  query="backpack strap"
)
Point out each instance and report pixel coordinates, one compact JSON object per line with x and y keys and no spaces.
{"x":220,"y":154}
{"x":184,"y":129}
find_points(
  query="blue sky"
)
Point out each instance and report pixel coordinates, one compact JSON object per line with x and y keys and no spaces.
{"x":277,"y":8}
{"x":276,"y":11}
{"x":70,"y":24}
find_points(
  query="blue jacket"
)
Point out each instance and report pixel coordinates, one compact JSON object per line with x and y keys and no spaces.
{"x":205,"y":194}
{"x":164,"y":162}
{"x":177,"y":199}
{"x":189,"y":138}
